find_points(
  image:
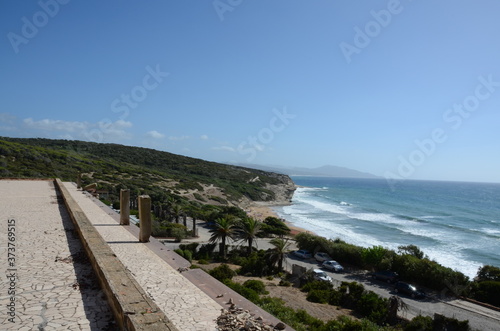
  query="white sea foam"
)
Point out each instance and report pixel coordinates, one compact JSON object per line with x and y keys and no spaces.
{"x":444,"y":238}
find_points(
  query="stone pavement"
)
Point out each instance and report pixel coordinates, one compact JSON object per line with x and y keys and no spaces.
{"x":46,"y":275}
{"x":187,"y":307}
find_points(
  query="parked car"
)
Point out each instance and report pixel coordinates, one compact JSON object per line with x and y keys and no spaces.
{"x":319,"y":274}
{"x":303,"y":254}
{"x":387,"y":276}
{"x":333,"y":266}
{"x":321,"y":257}
{"x":408,"y":289}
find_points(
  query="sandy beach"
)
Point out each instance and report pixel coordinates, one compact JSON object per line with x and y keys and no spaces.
{"x":261,"y":211}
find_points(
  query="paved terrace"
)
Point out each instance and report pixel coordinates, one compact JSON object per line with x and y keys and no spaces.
{"x":55,"y":286}
{"x":46,"y":273}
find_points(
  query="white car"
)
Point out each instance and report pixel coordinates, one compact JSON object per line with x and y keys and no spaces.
{"x":321,"y":275}
{"x":321,"y":257}
{"x":333,"y":266}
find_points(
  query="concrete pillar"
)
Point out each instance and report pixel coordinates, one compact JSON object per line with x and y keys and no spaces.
{"x":124,"y":207}
{"x":144,"y":218}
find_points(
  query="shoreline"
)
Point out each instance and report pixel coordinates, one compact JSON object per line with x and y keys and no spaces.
{"x":260,"y":211}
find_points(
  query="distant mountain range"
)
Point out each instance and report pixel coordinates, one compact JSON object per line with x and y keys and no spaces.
{"x":324,"y":171}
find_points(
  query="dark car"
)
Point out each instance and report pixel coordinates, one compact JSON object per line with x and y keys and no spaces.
{"x":386,"y":276}
{"x":402,"y":287}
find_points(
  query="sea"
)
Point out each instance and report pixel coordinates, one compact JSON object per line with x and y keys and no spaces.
{"x":457,"y":224}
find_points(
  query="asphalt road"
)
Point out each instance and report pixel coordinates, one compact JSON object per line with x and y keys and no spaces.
{"x":480,"y":318}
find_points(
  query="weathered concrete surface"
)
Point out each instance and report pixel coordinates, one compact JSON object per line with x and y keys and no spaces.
{"x":187,"y":307}
{"x":54,"y":287}
{"x":132,"y":308}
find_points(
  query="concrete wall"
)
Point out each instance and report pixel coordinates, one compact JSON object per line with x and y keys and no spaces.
{"x":132,"y":308}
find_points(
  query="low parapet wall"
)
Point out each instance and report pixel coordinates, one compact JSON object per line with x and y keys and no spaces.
{"x":132,"y":308}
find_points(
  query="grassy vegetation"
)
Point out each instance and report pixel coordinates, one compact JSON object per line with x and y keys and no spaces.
{"x":140,"y":169}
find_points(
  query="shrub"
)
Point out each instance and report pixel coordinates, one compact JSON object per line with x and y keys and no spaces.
{"x":273,"y":225}
{"x":488,"y":292}
{"x":190,"y":247}
{"x":285,"y":283}
{"x":179,"y":251}
{"x":188,"y":255}
{"x":256,"y":285}
{"x":319,"y":296}
{"x":244,"y":291}
{"x":420,"y":323}
{"x":335,"y":298}
{"x":488,"y":273}
{"x":317,"y":285}
{"x":178,"y":233}
{"x":373,"y":307}
{"x":222,"y":273}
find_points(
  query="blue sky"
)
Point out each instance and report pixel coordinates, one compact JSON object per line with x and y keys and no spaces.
{"x":402,"y":89}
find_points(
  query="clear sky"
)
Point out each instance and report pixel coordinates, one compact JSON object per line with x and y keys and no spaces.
{"x":405,"y":89}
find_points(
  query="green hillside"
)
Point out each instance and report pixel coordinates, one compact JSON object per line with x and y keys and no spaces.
{"x":142,"y":170}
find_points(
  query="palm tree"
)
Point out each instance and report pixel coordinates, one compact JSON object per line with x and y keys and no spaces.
{"x":248,"y":229}
{"x":278,"y":253}
{"x":224,"y":228}
{"x":176,"y":212}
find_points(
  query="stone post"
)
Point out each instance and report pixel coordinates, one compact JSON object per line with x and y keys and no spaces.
{"x":124,"y":207}
{"x":79,"y":181}
{"x":144,"y":218}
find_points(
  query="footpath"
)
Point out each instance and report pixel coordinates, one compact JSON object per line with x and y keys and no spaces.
{"x":47,"y":282}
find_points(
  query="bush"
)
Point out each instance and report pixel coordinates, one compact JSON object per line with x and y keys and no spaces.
{"x":222,"y":273}
{"x":254,"y":265}
{"x":273,"y":225}
{"x":319,"y":296}
{"x":373,"y":307}
{"x":488,"y":292}
{"x":178,"y":233}
{"x":420,"y":323}
{"x":179,"y":251}
{"x":285,"y":283}
{"x":188,"y":255}
{"x":256,"y":285}
{"x":488,"y":273}
{"x":317,"y":285}
{"x":190,"y":247}
{"x":244,"y":291}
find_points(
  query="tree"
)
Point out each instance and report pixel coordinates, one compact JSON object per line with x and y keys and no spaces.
{"x":176,"y":212}
{"x":224,"y":228}
{"x":488,"y":273}
{"x":276,"y":226}
{"x":248,"y":229}
{"x":411,"y":250}
{"x":278,"y":254}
